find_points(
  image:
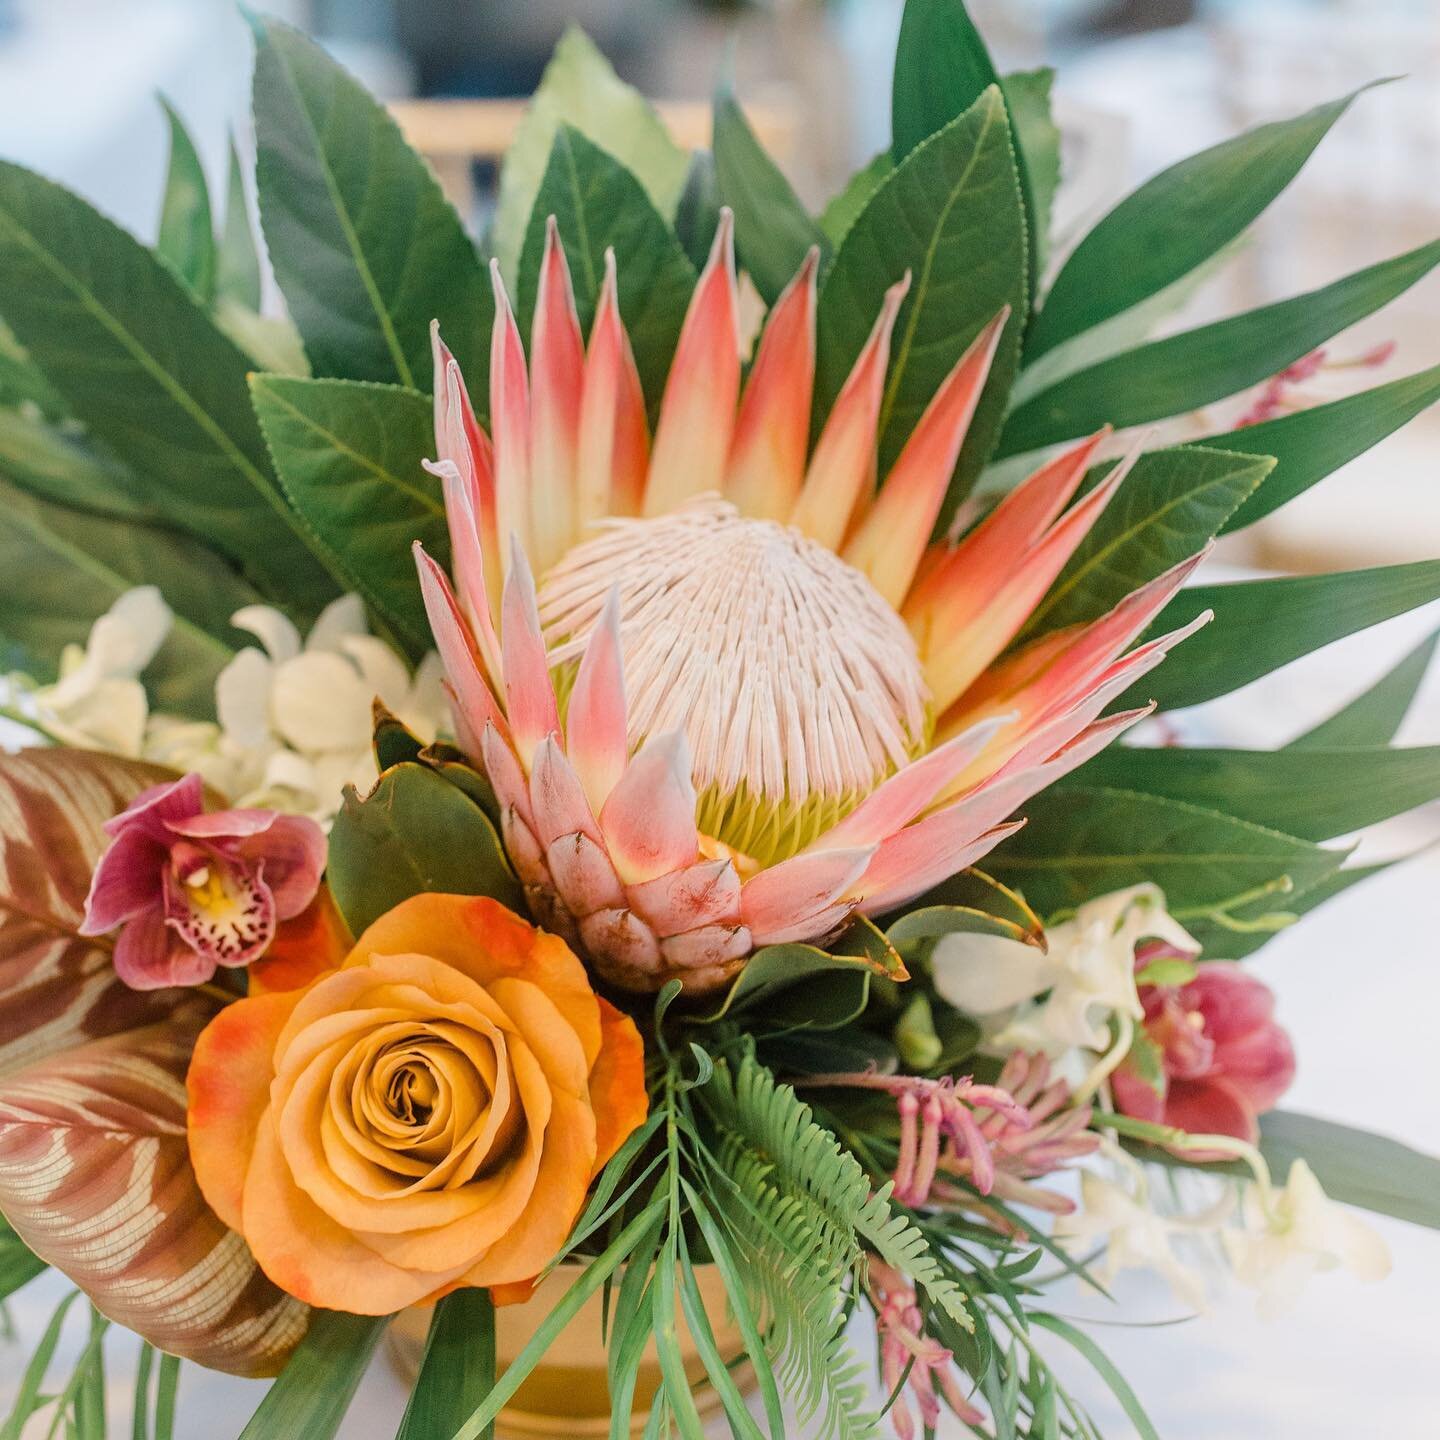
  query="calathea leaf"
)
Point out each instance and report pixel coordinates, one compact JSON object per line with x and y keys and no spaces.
{"x":349,"y":456}
{"x":598,"y":204}
{"x":145,"y":369}
{"x":187,"y":233}
{"x":366,"y":248}
{"x":1374,"y":717}
{"x":951,"y":216}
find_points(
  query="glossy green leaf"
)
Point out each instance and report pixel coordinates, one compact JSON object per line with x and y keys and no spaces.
{"x":414,"y":833}
{"x":317,"y":1385}
{"x":1355,"y":1166}
{"x":187,"y":229}
{"x":348,"y":454}
{"x":366,"y":248}
{"x":1198,"y":367}
{"x":1175,"y":222}
{"x":846,"y":205}
{"x":942,"y":66}
{"x":1373,"y":717}
{"x":697,"y":213}
{"x":597,"y":203}
{"x":1037,"y":138}
{"x":1168,"y":508}
{"x":151,"y":377}
{"x":773,"y":230}
{"x":1317,"y":441}
{"x":1084,"y":841}
{"x":1315,"y":794}
{"x":22,"y":384}
{"x":60,"y":465}
{"x":457,"y":1368}
{"x":1260,"y":625}
{"x":237,"y":261}
{"x":61,"y":569}
{"x":950,"y":215}
{"x":580,"y":88}
{"x":777,"y":987}
{"x":970,"y":901}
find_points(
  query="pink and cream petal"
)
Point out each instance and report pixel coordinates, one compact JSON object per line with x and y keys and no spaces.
{"x":649,"y":819}
{"x":703,"y":894}
{"x":529,"y":693}
{"x":557,"y":800}
{"x":788,"y":895}
{"x":469,"y":688}
{"x":595,"y":720}
{"x":509,"y":423}
{"x":924,"y":854}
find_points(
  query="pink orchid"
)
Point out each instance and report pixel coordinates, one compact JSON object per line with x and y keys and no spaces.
{"x":192,"y":891}
{"x":1224,"y":1059}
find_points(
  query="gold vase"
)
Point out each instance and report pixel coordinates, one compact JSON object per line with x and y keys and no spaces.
{"x":566,"y":1395}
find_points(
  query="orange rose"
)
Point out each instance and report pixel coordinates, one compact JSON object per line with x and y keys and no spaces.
{"x":427,"y":1116}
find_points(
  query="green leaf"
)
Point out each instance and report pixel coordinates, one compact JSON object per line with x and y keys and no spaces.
{"x":1315,"y":442}
{"x":697,"y":213}
{"x":1103,"y":1366}
{"x":1374,"y":717}
{"x":1198,"y":367}
{"x":779,"y":980}
{"x":1084,"y":841}
{"x":67,"y":468}
{"x":847,"y":203}
{"x":1168,"y":508}
{"x":315,"y":1389}
{"x":1278,"y":788}
{"x":414,"y":833}
{"x":1037,"y":139}
{"x":597,"y":203}
{"x":942,"y":67}
{"x":1175,"y":222}
{"x":1355,"y":1166}
{"x":1260,"y":625}
{"x":348,"y":454}
{"x":187,"y":230}
{"x":237,"y":261}
{"x":61,"y":569}
{"x":366,"y":248}
{"x":951,"y":215}
{"x":151,"y":377}
{"x":19,"y":1265}
{"x":166,"y":1392}
{"x":773,"y":230}
{"x":457,"y":1368}
{"x":579,"y":88}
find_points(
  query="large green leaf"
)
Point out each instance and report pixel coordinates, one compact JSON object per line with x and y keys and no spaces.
{"x":1037,"y":139}
{"x":597,"y":203}
{"x":1315,"y":442}
{"x":1373,"y":717}
{"x":1175,"y":222}
{"x":142,"y":365}
{"x":348,"y":454}
{"x":1084,"y":841}
{"x":1260,"y":625}
{"x":784,"y":987}
{"x":414,"y":833}
{"x":1315,"y":794}
{"x":847,"y":204}
{"x":187,"y":228}
{"x":941,"y":67}
{"x":58,"y":465}
{"x":237,"y":261}
{"x":773,"y":230}
{"x":365,"y":246}
{"x":1355,"y":1166}
{"x":1198,"y":367}
{"x":457,"y":1369}
{"x":951,"y":216}
{"x":61,"y":569}
{"x":579,"y":88}
{"x":1169,"y":506}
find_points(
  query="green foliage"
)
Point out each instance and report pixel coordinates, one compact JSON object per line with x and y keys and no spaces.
{"x":140,"y":363}
{"x":777,"y":991}
{"x":79,"y":1404}
{"x":61,"y":569}
{"x":315,"y":1388}
{"x":457,"y":1369}
{"x":1198,"y":367}
{"x":237,"y":259}
{"x":846,"y":205}
{"x":697,"y":213}
{"x":1260,"y":625}
{"x":60,"y":464}
{"x":773,"y":230}
{"x":598,"y":204}
{"x":366,"y":248}
{"x":1169,"y":507}
{"x":187,"y":232}
{"x":414,"y":833}
{"x":1374,"y":717}
{"x":1175,"y":222}
{"x":942,"y":67}
{"x":580,"y":89}
{"x":349,"y":456}
{"x":950,"y":214}
{"x":1037,"y":139}
{"x":18,"y":1264}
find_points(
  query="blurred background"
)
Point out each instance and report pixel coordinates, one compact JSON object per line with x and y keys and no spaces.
{"x":1141,"y":83}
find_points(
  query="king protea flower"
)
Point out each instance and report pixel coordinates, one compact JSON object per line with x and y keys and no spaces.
{"x":751,"y":698}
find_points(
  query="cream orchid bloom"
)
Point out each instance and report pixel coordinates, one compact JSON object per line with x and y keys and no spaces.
{"x":1290,"y":1234}
{"x":1088,"y":972}
{"x":99,"y":702}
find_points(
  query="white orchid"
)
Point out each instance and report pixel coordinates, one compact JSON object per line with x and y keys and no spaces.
{"x":1290,"y":1234}
{"x":98,"y":701}
{"x":1088,"y":972}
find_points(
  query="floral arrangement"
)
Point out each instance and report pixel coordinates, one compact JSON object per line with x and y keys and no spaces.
{"x":691,"y":808}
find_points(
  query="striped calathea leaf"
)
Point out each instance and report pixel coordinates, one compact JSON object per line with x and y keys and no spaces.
{"x":94,"y":1163}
